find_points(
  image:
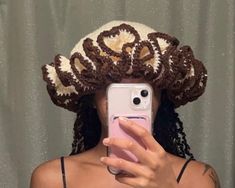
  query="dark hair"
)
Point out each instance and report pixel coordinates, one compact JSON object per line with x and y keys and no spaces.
{"x":167,"y":130}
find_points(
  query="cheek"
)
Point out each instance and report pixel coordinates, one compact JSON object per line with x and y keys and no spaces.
{"x":101,"y":106}
{"x":155,"y":104}
{"x":103,"y":109}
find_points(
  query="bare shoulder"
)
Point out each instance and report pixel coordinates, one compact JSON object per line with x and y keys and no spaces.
{"x":199,"y":174}
{"x":47,"y":174}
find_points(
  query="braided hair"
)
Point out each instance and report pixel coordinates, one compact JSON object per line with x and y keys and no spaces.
{"x":167,"y":128}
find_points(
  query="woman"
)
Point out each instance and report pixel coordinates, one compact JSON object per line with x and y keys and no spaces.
{"x":126,"y":52}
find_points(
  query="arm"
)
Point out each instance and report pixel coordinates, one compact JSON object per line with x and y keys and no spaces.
{"x":154,"y":169}
{"x":211,"y":176}
{"x":37,"y":179}
{"x":201,"y":175}
{"x":46,"y":175}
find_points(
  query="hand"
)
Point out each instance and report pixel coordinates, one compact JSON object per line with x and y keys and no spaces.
{"x":153,"y":170}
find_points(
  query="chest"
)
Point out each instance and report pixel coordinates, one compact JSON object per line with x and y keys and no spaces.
{"x":98,"y":178}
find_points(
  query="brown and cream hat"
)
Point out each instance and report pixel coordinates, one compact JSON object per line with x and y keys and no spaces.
{"x":121,"y":49}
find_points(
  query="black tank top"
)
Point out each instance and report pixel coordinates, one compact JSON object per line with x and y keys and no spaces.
{"x":178,"y":178}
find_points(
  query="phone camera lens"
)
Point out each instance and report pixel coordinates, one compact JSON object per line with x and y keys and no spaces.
{"x":136,"y":100}
{"x":144,"y":93}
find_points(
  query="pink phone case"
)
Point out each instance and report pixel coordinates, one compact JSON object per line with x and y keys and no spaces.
{"x":120,"y":103}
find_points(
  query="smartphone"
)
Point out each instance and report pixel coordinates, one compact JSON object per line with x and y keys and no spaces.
{"x":133,"y":101}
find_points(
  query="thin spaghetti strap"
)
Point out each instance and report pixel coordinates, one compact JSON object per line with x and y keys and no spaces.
{"x":183,"y":169}
{"x":63,"y":171}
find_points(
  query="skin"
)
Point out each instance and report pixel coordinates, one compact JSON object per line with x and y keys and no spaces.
{"x":156,"y":167}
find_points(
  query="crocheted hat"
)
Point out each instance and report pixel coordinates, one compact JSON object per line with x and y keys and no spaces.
{"x":121,"y":49}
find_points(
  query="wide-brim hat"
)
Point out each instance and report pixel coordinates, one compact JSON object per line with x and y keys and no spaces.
{"x":122,"y":49}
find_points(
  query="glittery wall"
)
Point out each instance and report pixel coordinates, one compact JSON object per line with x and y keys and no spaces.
{"x":33,"y":130}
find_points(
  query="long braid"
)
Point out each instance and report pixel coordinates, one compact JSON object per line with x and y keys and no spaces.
{"x":78,"y":138}
{"x":87,"y":129}
{"x":168,"y":128}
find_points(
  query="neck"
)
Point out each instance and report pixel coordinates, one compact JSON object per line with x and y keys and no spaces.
{"x":100,"y":149}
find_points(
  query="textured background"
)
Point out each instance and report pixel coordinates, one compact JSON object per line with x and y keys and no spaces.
{"x":33,"y":130}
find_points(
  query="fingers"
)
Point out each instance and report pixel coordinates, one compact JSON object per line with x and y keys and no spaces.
{"x":145,"y":136}
{"x":131,"y":181}
{"x":137,"y":174}
{"x":135,"y":169}
{"x":129,"y":145}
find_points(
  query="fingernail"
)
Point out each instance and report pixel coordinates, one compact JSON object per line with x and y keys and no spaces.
{"x":106,"y":141}
{"x":102,"y":159}
{"x":123,"y":119}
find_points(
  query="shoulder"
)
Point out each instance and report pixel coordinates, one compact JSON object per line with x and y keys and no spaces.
{"x":199,"y":174}
{"x":47,"y":174}
{"x":196,"y":174}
